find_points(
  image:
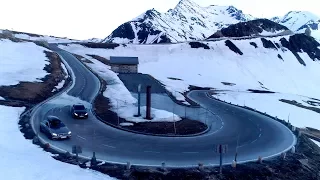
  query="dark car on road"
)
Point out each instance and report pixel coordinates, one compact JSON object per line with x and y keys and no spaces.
{"x":79,"y":111}
{"x":54,"y":128}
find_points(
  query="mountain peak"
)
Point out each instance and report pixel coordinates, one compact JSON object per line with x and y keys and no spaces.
{"x":187,"y":6}
{"x":151,"y":13}
{"x":299,"y":20}
{"x":187,"y":21}
{"x":187,"y":2}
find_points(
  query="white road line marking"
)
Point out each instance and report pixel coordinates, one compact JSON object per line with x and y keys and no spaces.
{"x":151,"y":152}
{"x":81,"y":137}
{"x":254,"y":141}
{"x":108,"y":146}
{"x":190,"y":152}
{"x":259,"y":135}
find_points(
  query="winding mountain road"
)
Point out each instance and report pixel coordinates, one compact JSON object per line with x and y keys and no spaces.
{"x":254,"y":134}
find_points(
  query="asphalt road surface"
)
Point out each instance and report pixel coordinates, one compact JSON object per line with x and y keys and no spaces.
{"x":252,"y":134}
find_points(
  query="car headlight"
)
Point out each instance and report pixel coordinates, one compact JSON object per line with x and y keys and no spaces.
{"x":86,"y":114}
{"x":69,"y":132}
{"x":54,"y":134}
{"x":75,"y":114}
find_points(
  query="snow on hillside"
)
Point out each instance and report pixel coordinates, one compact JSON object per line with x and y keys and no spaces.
{"x":270,"y":104}
{"x":23,"y":61}
{"x":187,"y":21}
{"x":257,"y":68}
{"x":298,"y":21}
{"x":20,"y":159}
{"x":316,"y":142}
{"x":49,"y":39}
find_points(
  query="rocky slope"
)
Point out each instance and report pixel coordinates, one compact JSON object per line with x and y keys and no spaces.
{"x":258,"y":27}
{"x":187,"y":21}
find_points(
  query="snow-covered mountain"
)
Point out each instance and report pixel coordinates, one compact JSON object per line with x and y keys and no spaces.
{"x":298,"y":21}
{"x":187,"y":21}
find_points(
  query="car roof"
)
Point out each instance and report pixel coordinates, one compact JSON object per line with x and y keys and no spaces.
{"x":51,"y":118}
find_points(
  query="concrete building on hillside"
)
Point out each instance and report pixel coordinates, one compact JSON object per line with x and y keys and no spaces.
{"x":124,"y":64}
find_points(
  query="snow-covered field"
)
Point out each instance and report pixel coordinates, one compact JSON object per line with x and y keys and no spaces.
{"x":270,"y":104}
{"x":20,"y":159}
{"x":23,"y":61}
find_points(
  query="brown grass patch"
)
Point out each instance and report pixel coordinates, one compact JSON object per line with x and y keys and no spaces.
{"x":35,"y":92}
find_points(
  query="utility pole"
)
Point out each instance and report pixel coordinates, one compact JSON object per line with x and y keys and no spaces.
{"x":148,"y":112}
{"x":220,"y":151}
{"x":139,"y":100}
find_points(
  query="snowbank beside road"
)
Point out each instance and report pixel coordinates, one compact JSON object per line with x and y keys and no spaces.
{"x":61,"y":84}
{"x":23,"y":61}
{"x":269,"y":103}
{"x":20,"y":159}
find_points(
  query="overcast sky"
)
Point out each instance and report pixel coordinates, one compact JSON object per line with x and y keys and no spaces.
{"x":84,"y":19}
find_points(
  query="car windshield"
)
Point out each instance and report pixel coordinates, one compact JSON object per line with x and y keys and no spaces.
{"x":56,"y":124}
{"x":79,"y":107}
